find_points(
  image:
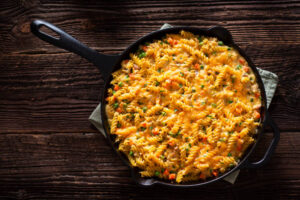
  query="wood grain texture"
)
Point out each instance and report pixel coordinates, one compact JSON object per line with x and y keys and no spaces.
{"x":49,"y":150}
{"x":82,"y":165}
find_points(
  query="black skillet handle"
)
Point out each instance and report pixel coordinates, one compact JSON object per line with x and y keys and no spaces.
{"x":271,"y":148}
{"x":105,"y":63}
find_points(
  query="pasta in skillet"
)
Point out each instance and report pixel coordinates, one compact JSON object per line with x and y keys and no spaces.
{"x":184,"y":108}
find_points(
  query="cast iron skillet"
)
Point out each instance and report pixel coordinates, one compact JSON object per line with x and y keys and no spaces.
{"x":110,"y":63}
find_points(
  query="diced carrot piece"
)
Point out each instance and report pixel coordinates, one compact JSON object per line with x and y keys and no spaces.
{"x":166,"y":172}
{"x":257,"y":94}
{"x":239,"y":110}
{"x":204,"y":139}
{"x":215,"y":173}
{"x":242,"y":61}
{"x":131,"y":76}
{"x":144,"y":124}
{"x":202,"y":176}
{"x":170,"y":40}
{"x":172,"y":176}
{"x":155,"y":131}
{"x":145,"y":48}
{"x":246,"y":69}
{"x":171,"y":143}
{"x":119,"y":110}
{"x":256,"y":115}
{"x":175,"y":42}
{"x":168,"y":82}
{"x":197,"y":66}
{"x":116,"y":88}
{"x":107,"y":99}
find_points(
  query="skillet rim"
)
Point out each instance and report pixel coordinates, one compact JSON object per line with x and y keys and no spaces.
{"x":223,"y":35}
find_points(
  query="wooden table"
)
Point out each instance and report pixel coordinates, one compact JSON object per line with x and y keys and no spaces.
{"x":48,"y":148}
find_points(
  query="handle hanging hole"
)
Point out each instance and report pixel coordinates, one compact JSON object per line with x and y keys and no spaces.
{"x":48,"y":31}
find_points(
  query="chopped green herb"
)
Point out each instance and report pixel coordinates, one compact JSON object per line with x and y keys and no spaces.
{"x":120,"y":84}
{"x":132,"y":116}
{"x":230,"y":133}
{"x":175,"y":110}
{"x":162,"y":157}
{"x":144,"y":109}
{"x":232,"y":79}
{"x":131,"y":153}
{"x":222,"y":140}
{"x":161,"y":42}
{"x":228,"y":48}
{"x":116,"y":105}
{"x":164,"y":123}
{"x":202,"y":86}
{"x":159,"y":70}
{"x":200,"y":39}
{"x":187,"y":149}
{"x":190,"y":145}
{"x":157,"y":173}
{"x":114,"y":92}
{"x":180,"y":85}
{"x":165,"y":41}
{"x":214,"y":105}
{"x":163,"y":113}
{"x":235,"y":91}
{"x":201,"y":43}
{"x":126,"y":76}
{"x":220,"y":43}
{"x":201,"y":67}
{"x":240,"y":124}
{"x":157,"y":83}
{"x":231,"y":165}
{"x":210,"y":116}
{"x":251,"y":99}
{"x":238,"y":67}
{"x":181,"y":74}
{"x":230,"y":101}
{"x":142,"y":54}
{"x":193,"y":90}
{"x":119,"y":125}
{"x":151,"y":127}
{"x":125,"y":106}
{"x":203,"y":103}
{"x":186,"y":139}
{"x":143,"y":128}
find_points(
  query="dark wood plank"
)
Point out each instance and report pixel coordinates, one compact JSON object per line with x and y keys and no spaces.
{"x":78,"y":165}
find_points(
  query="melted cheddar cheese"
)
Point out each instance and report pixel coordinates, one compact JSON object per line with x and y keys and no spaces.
{"x":184,"y":108}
